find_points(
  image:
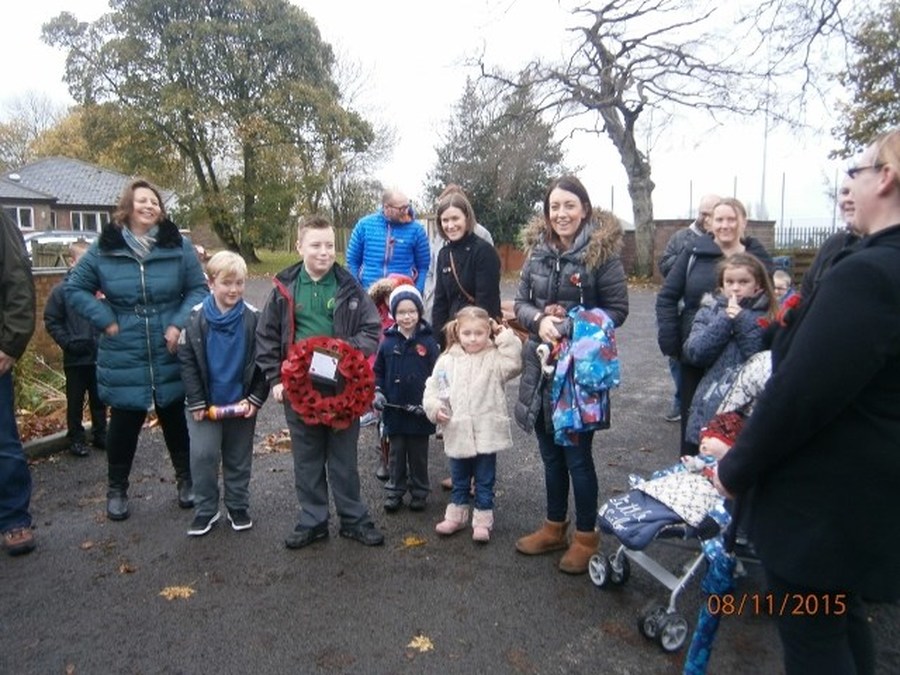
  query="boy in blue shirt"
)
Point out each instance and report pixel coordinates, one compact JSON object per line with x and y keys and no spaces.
{"x":217,"y":350}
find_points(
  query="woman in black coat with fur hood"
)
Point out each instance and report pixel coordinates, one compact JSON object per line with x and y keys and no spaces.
{"x":573,"y":259}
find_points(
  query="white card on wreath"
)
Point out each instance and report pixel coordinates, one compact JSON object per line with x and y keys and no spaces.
{"x":323,"y":366}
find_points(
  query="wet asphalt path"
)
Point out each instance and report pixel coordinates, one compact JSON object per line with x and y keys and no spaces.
{"x":89,"y":599}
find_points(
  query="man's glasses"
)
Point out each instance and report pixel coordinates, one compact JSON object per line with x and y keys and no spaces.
{"x":854,"y":171}
{"x":402,"y":207}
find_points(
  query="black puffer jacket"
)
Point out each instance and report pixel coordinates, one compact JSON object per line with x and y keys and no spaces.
{"x":589,"y":274}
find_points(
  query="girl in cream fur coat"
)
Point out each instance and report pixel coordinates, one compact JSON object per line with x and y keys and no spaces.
{"x":466,"y":396}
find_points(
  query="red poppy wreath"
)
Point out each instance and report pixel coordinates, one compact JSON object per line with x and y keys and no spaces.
{"x":336,"y":411}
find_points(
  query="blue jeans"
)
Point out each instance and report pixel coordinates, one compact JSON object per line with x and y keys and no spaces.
{"x":483,"y":468}
{"x":563,"y":464}
{"x":15,"y":478}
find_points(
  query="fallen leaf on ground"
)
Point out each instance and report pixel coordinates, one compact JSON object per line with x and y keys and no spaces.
{"x":412,"y":541}
{"x":127,"y":568}
{"x":421,"y":643}
{"x":277,"y":442}
{"x":87,"y":545}
{"x":173,"y":592}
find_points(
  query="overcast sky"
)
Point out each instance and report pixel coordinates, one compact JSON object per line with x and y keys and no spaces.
{"x":413,"y":56}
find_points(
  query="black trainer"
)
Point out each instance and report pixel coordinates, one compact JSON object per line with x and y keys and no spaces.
{"x":392,"y":503}
{"x":417,"y":504}
{"x":365,"y":534}
{"x":239,"y":519}
{"x":79,"y":449}
{"x":202,"y":524}
{"x":304,"y":536}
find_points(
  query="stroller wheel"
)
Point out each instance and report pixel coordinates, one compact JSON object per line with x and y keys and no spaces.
{"x":599,"y":570}
{"x":619,"y":572}
{"x":649,"y":624}
{"x":673,"y":632}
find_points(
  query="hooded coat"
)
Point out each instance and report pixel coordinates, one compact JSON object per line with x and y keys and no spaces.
{"x":589,"y":274}
{"x":721,"y":346}
{"x":144,"y":297}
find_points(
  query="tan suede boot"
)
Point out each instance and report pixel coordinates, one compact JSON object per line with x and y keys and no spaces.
{"x":583,"y":546}
{"x":550,"y":537}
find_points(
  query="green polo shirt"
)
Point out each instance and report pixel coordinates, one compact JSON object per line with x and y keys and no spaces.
{"x":314,"y":305}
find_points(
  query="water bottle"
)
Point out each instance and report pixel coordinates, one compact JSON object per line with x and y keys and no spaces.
{"x":220,"y":412}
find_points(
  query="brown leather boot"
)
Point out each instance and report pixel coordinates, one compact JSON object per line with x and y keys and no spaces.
{"x":550,"y":537}
{"x":583,"y":546}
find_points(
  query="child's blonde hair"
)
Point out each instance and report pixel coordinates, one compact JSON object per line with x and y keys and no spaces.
{"x":782,"y":276}
{"x":760,"y":274}
{"x":470,"y":313}
{"x":226,"y":264}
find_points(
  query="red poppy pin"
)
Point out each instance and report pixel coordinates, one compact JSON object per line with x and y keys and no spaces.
{"x":420,"y":350}
{"x":575,"y":279}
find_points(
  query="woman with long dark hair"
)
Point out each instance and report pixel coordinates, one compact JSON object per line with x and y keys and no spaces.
{"x":573,"y":259}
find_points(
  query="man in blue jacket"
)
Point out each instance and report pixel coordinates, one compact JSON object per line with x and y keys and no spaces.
{"x":389,"y":241}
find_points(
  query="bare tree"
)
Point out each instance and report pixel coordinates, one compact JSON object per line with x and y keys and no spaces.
{"x":630,"y":57}
{"x":27,"y":117}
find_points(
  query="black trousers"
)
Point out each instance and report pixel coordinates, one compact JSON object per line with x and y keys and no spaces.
{"x":121,"y":443}
{"x":690,"y":380}
{"x":826,"y":633}
{"x":81,"y":380}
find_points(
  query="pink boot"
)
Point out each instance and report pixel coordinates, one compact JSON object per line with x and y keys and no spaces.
{"x":482,"y":523}
{"x":455,"y":519}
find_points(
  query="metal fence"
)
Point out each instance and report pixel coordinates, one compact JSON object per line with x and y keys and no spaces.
{"x":801,"y":237}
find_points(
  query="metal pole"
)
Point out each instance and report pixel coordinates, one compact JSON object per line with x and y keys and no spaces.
{"x":783,"y":175}
{"x":834,"y":206}
{"x":690,"y":211}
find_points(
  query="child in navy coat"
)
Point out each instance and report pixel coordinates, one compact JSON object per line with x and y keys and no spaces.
{"x":726,"y":331}
{"x":405,"y":360}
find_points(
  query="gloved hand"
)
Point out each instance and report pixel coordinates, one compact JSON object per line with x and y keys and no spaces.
{"x":379,"y":401}
{"x":416,"y":410}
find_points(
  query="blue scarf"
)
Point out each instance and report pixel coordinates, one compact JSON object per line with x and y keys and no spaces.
{"x":225,"y":346}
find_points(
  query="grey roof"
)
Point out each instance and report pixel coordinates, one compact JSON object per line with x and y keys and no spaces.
{"x":73,"y":182}
{"x":12,"y":190}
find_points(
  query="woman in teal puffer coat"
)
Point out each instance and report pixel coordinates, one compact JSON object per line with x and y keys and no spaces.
{"x":137,"y":284}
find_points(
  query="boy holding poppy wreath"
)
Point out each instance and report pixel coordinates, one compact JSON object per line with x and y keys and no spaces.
{"x":316,"y":329}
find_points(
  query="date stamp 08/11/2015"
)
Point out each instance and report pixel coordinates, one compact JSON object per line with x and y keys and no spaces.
{"x":772,"y":604}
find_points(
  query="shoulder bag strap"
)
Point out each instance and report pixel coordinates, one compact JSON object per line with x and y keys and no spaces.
{"x":462,"y":290}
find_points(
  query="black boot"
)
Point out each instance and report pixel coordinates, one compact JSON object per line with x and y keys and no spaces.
{"x":185,"y":493}
{"x":116,"y":504}
{"x":117,"y":493}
